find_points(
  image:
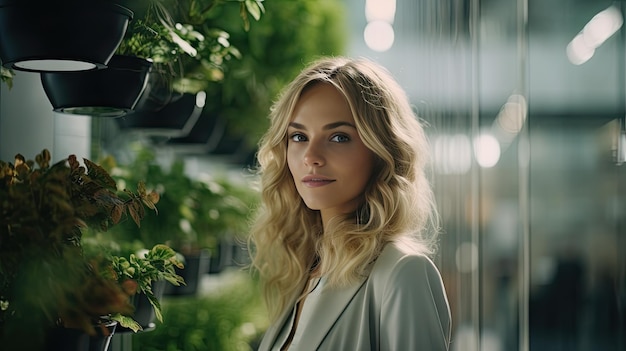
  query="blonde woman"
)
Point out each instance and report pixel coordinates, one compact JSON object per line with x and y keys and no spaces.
{"x":347,"y":224}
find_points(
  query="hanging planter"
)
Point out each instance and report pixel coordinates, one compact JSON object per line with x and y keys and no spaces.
{"x":63,"y":35}
{"x":174,"y":120}
{"x":159,"y":93}
{"x":110,"y":92}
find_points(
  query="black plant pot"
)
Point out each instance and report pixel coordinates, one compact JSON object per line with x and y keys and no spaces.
{"x":174,"y":120}
{"x":67,"y":339}
{"x":196,"y":266}
{"x":62,"y":35}
{"x":110,"y":92}
{"x":159,"y":91}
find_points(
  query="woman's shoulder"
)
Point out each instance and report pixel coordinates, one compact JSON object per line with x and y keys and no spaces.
{"x":398,"y":262}
{"x":405,"y":253}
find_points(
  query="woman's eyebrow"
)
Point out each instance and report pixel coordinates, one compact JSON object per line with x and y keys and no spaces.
{"x":326,"y":127}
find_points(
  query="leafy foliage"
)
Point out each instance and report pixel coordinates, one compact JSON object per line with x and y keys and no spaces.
{"x":45,"y":277}
{"x":184,"y":48}
{"x":200,"y":210}
{"x":138,"y":273}
{"x":276,"y":48}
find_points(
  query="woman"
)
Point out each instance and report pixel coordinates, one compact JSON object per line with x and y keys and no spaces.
{"x":347,"y":221}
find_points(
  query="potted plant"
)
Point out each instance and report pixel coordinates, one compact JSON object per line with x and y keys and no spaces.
{"x":156,"y":62}
{"x":47,"y":281}
{"x":189,"y":53}
{"x":111,"y":92}
{"x":144,"y":276}
{"x":151,"y":46}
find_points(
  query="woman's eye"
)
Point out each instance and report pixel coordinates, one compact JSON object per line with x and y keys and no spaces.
{"x":297,"y":137}
{"x":340,"y":138}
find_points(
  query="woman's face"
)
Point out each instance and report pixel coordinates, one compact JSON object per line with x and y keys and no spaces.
{"x":327,"y":159}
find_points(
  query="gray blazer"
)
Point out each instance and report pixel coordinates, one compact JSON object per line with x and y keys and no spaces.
{"x":401,"y":305}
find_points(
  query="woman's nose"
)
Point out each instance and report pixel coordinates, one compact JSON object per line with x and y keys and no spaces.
{"x":313,"y":155}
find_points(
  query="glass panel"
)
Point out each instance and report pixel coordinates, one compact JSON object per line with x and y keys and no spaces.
{"x":577,"y":266}
{"x":501,"y":155}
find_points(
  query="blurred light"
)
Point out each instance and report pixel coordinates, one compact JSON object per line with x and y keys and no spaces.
{"x":184,"y":45}
{"x":621,"y":148}
{"x":380,"y":10}
{"x":452,"y":154}
{"x":578,"y":52}
{"x":487,"y":150}
{"x":379,"y":35}
{"x":185,"y":225}
{"x":466,"y":257}
{"x":601,"y":27}
{"x":200,"y":99}
{"x":512,"y":116}
{"x":510,"y":120}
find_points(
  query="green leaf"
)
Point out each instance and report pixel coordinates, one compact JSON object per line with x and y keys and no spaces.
{"x":127,"y":322}
{"x":255,"y":8}
{"x":6,"y":75}
{"x":157,"y":307}
{"x":175,"y":280}
{"x":100,"y":175}
{"x":161,"y":252}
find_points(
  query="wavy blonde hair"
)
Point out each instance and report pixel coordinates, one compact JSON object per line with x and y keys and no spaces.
{"x":287,"y":237}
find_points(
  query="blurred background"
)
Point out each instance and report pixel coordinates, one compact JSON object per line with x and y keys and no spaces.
{"x":524,"y":102}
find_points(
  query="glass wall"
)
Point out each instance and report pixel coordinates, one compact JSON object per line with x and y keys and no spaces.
{"x":524,"y":102}
{"x":577,"y":267}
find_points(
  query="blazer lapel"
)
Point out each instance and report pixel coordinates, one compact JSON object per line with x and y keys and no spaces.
{"x":330,"y":306}
{"x":274,"y":329}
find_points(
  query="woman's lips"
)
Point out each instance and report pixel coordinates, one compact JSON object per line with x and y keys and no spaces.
{"x":316,"y":181}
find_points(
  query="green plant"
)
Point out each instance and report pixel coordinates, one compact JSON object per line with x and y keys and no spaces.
{"x":200,"y":210}
{"x":137,"y":273}
{"x":290,"y":34}
{"x":6,"y":76}
{"x":46,"y":280}
{"x":187,"y":55}
{"x":229,"y":319}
